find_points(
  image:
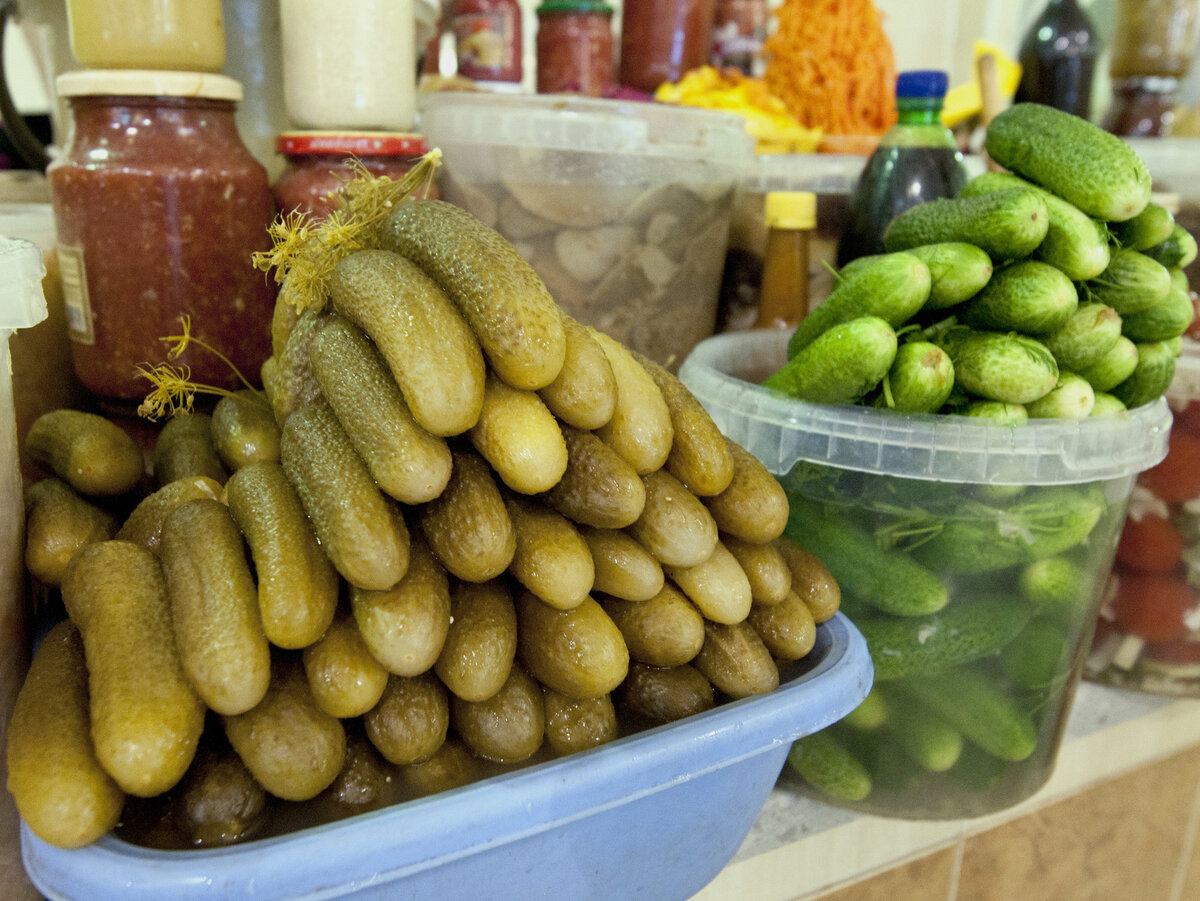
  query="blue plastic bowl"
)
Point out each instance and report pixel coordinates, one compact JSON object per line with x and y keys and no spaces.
{"x":655,"y":815}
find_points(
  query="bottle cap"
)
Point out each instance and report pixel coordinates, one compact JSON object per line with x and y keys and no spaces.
{"x":574,"y":6}
{"x":922,"y":83}
{"x":147,"y":83}
{"x":791,"y":209}
{"x":360,"y":143}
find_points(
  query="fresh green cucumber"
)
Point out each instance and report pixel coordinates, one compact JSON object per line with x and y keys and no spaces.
{"x":827,"y":765}
{"x":1116,"y":365}
{"x":1056,"y":586}
{"x":998,"y":411}
{"x":841,"y":365}
{"x":1151,"y":226}
{"x":907,"y":646}
{"x":1007,"y":225}
{"x":1037,"y":657}
{"x":1176,"y":345}
{"x":928,"y":738}
{"x":1003,"y":366}
{"x":981,"y":710}
{"x":1075,"y":242}
{"x":890,"y":286}
{"x":1107,"y":405}
{"x":1133,"y":281}
{"x":919,"y":380}
{"x":1069,"y":156}
{"x":871,"y":713}
{"x":1151,"y":377}
{"x":957,"y":271}
{"x":1177,"y":251}
{"x":1028,"y":296}
{"x":886,"y":579}
{"x":1071,"y":398}
{"x":1086,"y":337}
{"x":1167,"y":319}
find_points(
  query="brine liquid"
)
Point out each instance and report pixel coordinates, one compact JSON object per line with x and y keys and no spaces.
{"x":895,"y":179}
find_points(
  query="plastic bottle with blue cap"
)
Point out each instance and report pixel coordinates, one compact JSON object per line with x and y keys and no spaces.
{"x":916,"y":160}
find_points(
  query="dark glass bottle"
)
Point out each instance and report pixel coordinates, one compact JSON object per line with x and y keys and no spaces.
{"x":1058,"y":59}
{"x":916,"y":160}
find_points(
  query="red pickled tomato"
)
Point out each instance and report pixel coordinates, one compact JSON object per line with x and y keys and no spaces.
{"x":1193,"y":330}
{"x":1177,"y":478}
{"x":1150,"y":545}
{"x":1153,"y":606}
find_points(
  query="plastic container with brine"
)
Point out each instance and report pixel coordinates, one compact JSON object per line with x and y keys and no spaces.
{"x":972,"y":556}
{"x":653,"y":815}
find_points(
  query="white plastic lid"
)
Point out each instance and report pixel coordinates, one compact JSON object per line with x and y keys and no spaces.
{"x":818,"y":173}
{"x":780,"y":431}
{"x":554,"y":122}
{"x":147,"y":83}
{"x":22,"y":302}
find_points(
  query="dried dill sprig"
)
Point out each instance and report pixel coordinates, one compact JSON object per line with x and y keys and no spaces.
{"x":305,"y":253}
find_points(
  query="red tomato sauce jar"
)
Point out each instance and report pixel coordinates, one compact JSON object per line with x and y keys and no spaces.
{"x":1148,"y":635}
{"x":663,"y":39}
{"x":574,"y":47}
{"x":158,"y":208}
{"x":315,"y":164}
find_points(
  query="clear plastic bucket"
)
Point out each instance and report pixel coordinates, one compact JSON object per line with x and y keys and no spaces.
{"x":972,"y":556}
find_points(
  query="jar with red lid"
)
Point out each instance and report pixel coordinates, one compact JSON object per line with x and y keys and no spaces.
{"x":574,"y":47}
{"x":315,"y":169}
{"x":158,"y":208}
{"x":662,"y":39}
{"x":488,"y":42}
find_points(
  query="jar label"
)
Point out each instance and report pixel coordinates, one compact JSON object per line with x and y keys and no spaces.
{"x":78,"y":308}
{"x":485,"y":44}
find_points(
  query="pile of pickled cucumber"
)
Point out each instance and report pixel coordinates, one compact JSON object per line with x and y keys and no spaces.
{"x":1053,"y":290}
{"x":455,"y":532}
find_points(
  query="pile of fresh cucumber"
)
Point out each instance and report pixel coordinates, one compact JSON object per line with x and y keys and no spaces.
{"x":1055,"y":289}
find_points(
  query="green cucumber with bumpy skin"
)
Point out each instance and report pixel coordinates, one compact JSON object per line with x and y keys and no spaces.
{"x":1071,"y":398}
{"x":1086,"y":337}
{"x":1069,"y":156}
{"x":1151,"y":226}
{"x":1037,"y":656}
{"x":1177,"y":251}
{"x":928,"y":738}
{"x":997,"y":411}
{"x":1167,"y":319}
{"x":1007,"y":225}
{"x":1132,"y":282}
{"x":1029,"y":296}
{"x":983,"y":712}
{"x":1075,"y":242}
{"x":1116,"y":365}
{"x":1107,"y":405}
{"x":1151,"y":377}
{"x":890,"y":286}
{"x":1003,"y":366}
{"x":902,"y":647}
{"x":827,"y":765}
{"x":957,"y":271}
{"x":919,"y":380}
{"x":888,"y":580}
{"x":841,"y":365}
{"x":1056,"y":586}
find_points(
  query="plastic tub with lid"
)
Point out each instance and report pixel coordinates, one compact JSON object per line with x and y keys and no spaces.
{"x":1148,"y":635}
{"x":971,"y":555}
{"x":653,"y":815}
{"x":622,"y":208}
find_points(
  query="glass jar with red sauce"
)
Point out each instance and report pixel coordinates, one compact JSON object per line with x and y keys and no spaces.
{"x":158,"y":208}
{"x":574,"y":47}
{"x":488,"y":42}
{"x":662,"y":39}
{"x":315,"y":164}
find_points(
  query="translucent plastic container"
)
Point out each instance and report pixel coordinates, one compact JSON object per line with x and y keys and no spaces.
{"x":654,"y":815}
{"x":972,"y":556}
{"x":622,"y":208}
{"x":22,"y":305}
{"x":1148,"y":636}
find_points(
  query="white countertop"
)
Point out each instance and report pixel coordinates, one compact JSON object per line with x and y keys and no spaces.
{"x":800,"y":847}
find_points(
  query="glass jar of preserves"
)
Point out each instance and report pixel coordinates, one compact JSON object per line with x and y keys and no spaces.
{"x":147,"y":34}
{"x":349,"y":65}
{"x":739,"y":27}
{"x":488,"y":42}
{"x":574,"y":47}
{"x":1153,"y":37}
{"x":158,"y":208}
{"x":662,"y":39}
{"x":314,"y":164}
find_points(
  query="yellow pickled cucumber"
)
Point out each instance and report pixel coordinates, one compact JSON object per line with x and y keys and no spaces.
{"x":666,"y":630}
{"x":551,"y":558}
{"x":410,"y":722}
{"x":769,"y":574}
{"x":90,"y":453}
{"x":363,"y":534}
{"x":507,"y":727}
{"x":640,"y":429}
{"x":408,"y":462}
{"x":297,"y":584}
{"x":467,"y":526}
{"x":292,"y":383}
{"x":674,"y":526}
{"x":144,"y":525}
{"x":584,"y":394}
{"x":429,"y":348}
{"x":185,"y":447}
{"x":482,"y":642}
{"x":244,"y":430}
{"x":576,"y":725}
{"x":519,"y":437}
{"x":58,"y":523}
{"x":578,"y":652}
{"x":599,"y":487}
{"x":753,"y":507}
{"x":345,"y":679}
{"x":146,"y":717}
{"x":508,"y":307}
{"x":717,"y":585}
{"x":624,"y":569}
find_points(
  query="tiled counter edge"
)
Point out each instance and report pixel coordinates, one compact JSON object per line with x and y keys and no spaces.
{"x":799,"y":847}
